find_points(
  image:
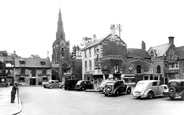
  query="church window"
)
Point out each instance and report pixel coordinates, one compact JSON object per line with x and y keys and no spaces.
{"x":158,"y":69}
{"x":138,"y":69}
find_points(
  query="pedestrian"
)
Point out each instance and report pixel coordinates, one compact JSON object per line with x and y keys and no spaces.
{"x":13,"y":92}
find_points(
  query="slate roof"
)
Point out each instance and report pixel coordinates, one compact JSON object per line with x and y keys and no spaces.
{"x":137,"y":53}
{"x":161,"y":49}
{"x":98,"y":41}
{"x":2,"y":58}
{"x":180,"y":52}
{"x":32,"y":62}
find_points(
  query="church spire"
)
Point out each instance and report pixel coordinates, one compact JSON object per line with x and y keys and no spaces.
{"x":60,"y":34}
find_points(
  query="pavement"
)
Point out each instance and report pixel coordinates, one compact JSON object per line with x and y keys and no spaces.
{"x":7,"y":108}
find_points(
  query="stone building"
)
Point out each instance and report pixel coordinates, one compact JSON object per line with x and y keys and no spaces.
{"x":32,"y":71}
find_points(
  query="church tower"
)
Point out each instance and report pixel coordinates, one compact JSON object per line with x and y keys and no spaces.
{"x":60,"y":47}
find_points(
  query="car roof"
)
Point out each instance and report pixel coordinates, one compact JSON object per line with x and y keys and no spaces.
{"x":176,"y":80}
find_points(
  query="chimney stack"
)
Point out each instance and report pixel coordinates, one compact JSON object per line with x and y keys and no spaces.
{"x":113,"y":29}
{"x":171,"y":39}
{"x":143,"y":45}
{"x":94,"y":37}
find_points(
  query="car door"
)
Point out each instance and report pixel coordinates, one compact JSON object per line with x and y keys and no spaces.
{"x":57,"y":84}
{"x":155,"y":87}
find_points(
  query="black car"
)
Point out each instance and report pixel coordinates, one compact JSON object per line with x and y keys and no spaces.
{"x":83,"y":85}
{"x":70,"y":84}
{"x":116,"y":87}
{"x":176,"y":89}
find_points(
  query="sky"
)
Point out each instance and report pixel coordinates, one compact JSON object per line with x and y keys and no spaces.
{"x":29,"y":26}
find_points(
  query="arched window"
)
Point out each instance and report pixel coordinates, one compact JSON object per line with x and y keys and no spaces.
{"x":158,"y":69}
{"x":138,"y":69}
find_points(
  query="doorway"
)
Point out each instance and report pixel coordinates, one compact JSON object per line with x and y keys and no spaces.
{"x":32,"y":81}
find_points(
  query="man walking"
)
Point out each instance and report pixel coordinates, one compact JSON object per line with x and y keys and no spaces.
{"x":13,"y":92}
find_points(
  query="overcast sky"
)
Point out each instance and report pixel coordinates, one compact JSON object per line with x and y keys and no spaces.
{"x":29,"y":26}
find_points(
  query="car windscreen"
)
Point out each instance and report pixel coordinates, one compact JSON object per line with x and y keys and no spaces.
{"x":79,"y":82}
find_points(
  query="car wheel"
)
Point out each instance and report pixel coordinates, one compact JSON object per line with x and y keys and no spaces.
{"x":150,"y":95}
{"x":128,"y":90}
{"x":172,"y":90}
{"x":50,"y":87}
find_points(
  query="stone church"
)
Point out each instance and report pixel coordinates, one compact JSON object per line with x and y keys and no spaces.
{"x":61,"y":58}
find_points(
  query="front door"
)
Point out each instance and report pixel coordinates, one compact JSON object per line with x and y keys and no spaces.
{"x":32,"y":81}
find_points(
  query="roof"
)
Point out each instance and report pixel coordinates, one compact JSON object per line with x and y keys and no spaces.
{"x":137,"y":53}
{"x":96,"y":42}
{"x":147,"y":81}
{"x":161,"y":49}
{"x":33,"y":62}
{"x":180,"y":52}
{"x":3,"y":58}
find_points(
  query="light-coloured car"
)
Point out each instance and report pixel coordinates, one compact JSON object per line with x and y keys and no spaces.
{"x":102,"y":85}
{"x":149,"y":89}
{"x":52,"y":84}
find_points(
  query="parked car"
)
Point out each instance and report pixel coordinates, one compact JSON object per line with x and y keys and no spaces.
{"x":102,"y":85}
{"x":176,"y":89}
{"x":116,"y":87}
{"x":149,"y":89}
{"x":70,"y":84}
{"x":3,"y":82}
{"x":52,"y":84}
{"x":82,"y":85}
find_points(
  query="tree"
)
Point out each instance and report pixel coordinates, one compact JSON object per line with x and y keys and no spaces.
{"x":3,"y":53}
{"x":86,"y":41}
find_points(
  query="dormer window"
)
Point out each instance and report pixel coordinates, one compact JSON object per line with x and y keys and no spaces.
{"x":42,"y":63}
{"x":22,"y":62}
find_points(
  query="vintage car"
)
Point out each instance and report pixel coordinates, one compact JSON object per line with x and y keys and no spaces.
{"x":149,"y":89}
{"x":102,"y":85}
{"x":176,"y":89}
{"x":70,"y":84}
{"x":116,"y":87}
{"x":52,"y":84}
{"x":82,"y":85}
{"x":3,"y":82}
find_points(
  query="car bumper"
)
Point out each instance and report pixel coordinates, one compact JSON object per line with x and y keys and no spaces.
{"x":166,"y":93}
{"x":139,"y":95}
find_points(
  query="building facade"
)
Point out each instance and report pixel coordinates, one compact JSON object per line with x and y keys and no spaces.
{"x":32,"y":71}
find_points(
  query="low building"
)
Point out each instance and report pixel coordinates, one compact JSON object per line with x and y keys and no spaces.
{"x":32,"y":71}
